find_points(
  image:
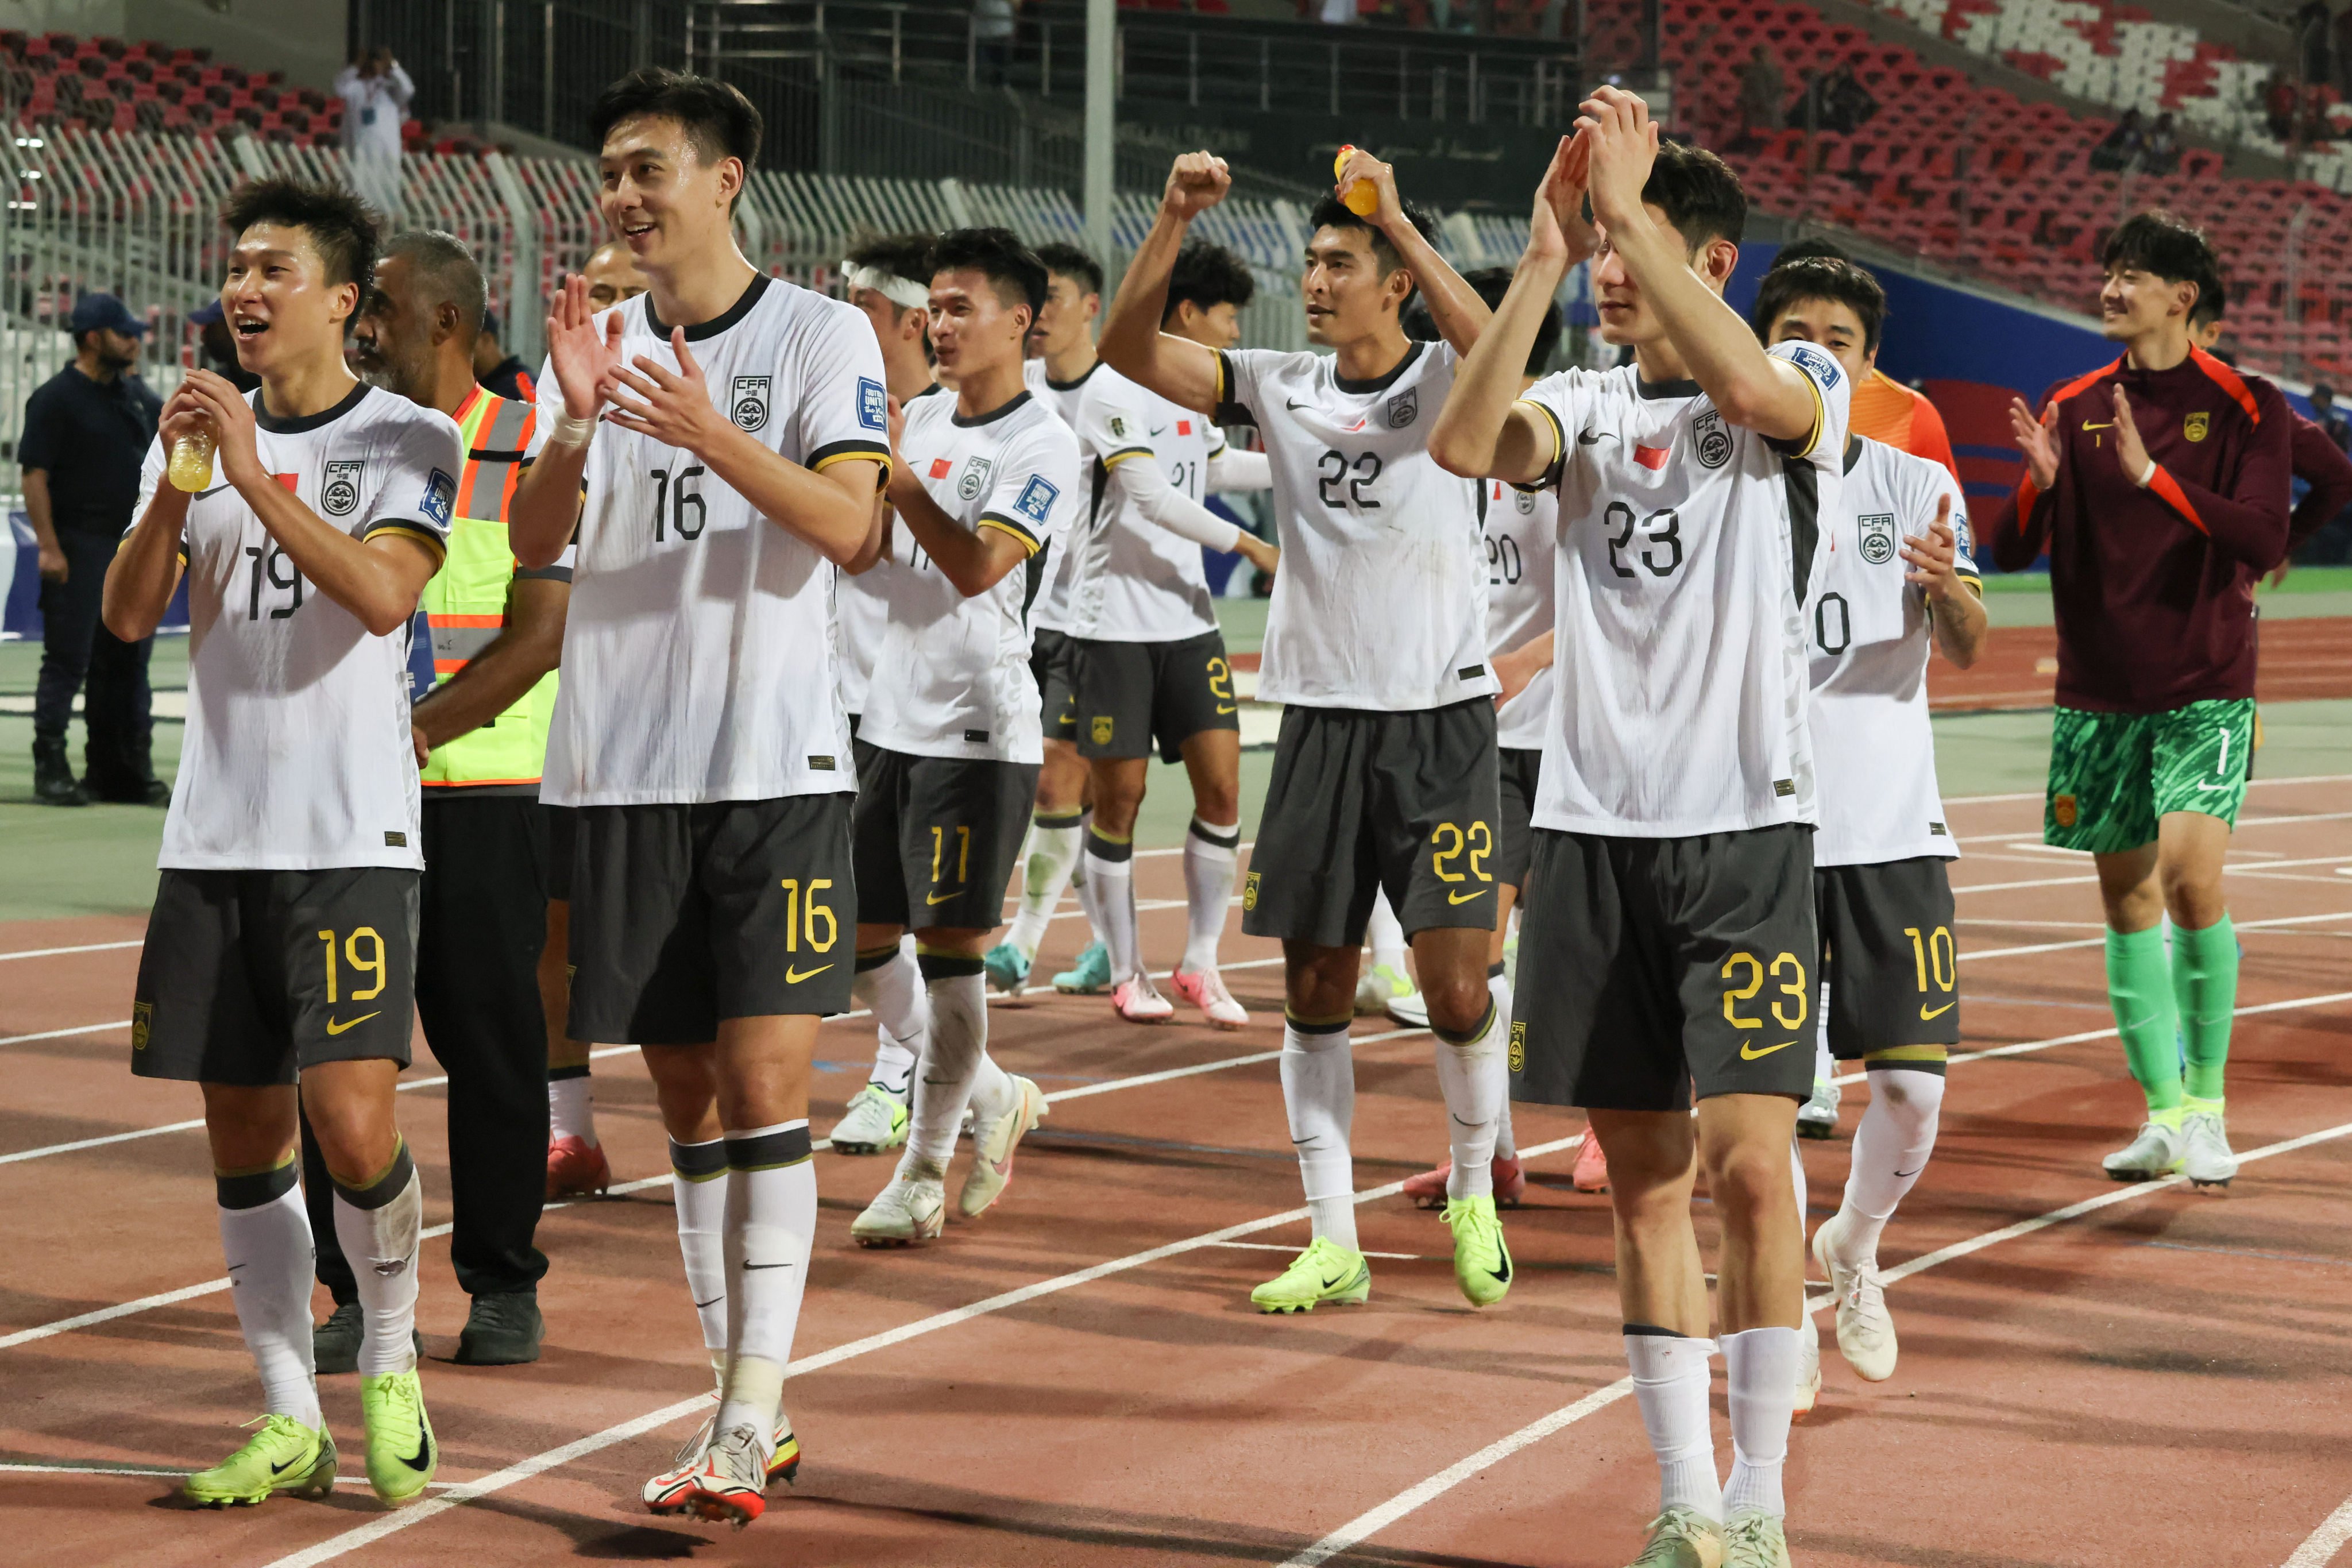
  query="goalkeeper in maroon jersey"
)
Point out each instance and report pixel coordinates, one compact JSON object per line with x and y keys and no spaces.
{"x":2158,"y":485}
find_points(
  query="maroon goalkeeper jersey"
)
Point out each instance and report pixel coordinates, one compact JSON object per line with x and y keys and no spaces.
{"x":2154,"y":587}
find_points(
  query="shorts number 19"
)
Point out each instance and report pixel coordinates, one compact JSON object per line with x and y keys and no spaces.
{"x":372,"y":964}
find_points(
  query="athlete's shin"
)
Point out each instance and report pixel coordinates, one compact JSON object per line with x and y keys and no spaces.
{"x":1211,"y":854}
{"x":2139,"y":989}
{"x":1891,"y":1147}
{"x":698,"y":1185}
{"x":377,"y":1223}
{"x":1670,"y":1378}
{"x":770,"y":1222}
{"x":1319,"y":1093}
{"x":959,"y":1040}
{"x":265,"y":1238}
{"x":1110,"y":872}
{"x":1473,"y":1094}
{"x":2205,"y":991}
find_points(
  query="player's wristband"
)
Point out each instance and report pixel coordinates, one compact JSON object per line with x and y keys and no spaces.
{"x":2146,"y":474}
{"x":569,"y":432}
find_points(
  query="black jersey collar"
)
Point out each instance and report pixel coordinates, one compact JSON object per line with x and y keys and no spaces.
{"x":1852,"y":452}
{"x":1379,"y":383}
{"x":1664,"y":389}
{"x":1072,"y":386}
{"x":276,"y":425}
{"x":718,"y":323}
{"x":991,"y":417}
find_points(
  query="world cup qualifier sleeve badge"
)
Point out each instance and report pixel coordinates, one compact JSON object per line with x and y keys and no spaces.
{"x":747,"y":405}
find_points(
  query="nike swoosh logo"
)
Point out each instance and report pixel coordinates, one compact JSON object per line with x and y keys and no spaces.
{"x":1594,"y":437}
{"x":748,"y":1267}
{"x":1228,"y":706}
{"x":1904,"y":1175}
{"x":335,"y":1029}
{"x":1335,"y":1282}
{"x":1161,"y":431}
{"x":942,"y":898}
{"x":712,"y":1303}
{"x":1466,"y":898}
{"x":423,"y":1458}
{"x":213,"y":491}
{"x":1925,"y":1016}
{"x":1292,"y":404}
{"x":795,"y":976}
{"x":281,"y":1469}
{"x":1748,"y":1053}
{"x":2108,"y":425}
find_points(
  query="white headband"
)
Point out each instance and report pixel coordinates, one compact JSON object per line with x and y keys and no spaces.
{"x":901,"y":291}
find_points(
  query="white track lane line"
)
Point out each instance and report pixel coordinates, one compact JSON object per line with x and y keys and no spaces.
{"x":190,"y":1292}
{"x":387,"y":1524}
{"x":10,"y":1469}
{"x":61,"y":952}
{"x":1364,"y":1526}
{"x":599,"y":1054}
{"x":2234,"y":867}
{"x":2324,"y":1542}
{"x":2101,"y":941}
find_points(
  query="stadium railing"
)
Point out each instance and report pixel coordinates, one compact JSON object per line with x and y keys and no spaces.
{"x":135,"y":214}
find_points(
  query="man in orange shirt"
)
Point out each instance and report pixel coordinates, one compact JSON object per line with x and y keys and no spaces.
{"x":1883,"y":409}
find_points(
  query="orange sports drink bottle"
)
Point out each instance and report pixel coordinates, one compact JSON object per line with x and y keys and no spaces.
{"x":1359,"y":198}
{"x":191,"y":458}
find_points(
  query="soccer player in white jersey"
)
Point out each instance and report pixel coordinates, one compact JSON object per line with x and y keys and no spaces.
{"x":1062,"y":360}
{"x":280,"y":959}
{"x":890,"y":279}
{"x":1897,"y":581}
{"x":1149,"y":660}
{"x":1518,"y":528}
{"x":730,"y":431}
{"x":1376,"y":644}
{"x":1668,"y":933}
{"x":984,"y":484}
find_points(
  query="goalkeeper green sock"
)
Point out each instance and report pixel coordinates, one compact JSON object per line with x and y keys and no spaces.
{"x":2139,"y":988}
{"x":2205,"y":986}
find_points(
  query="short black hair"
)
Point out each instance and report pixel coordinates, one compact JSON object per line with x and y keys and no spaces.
{"x":716,"y":118}
{"x":1799,"y":249}
{"x":1698,"y":193}
{"x":1333,"y":212}
{"x":2164,"y":247}
{"x":1209,"y":275}
{"x":999,"y":256}
{"x":341,"y":228}
{"x":446,"y":268}
{"x":1820,"y":277}
{"x":903,"y":255}
{"x":2212,"y":299}
{"x":1492,"y":283}
{"x":1068,"y":260}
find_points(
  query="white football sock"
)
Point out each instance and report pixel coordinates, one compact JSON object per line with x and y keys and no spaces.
{"x":1384,"y":935}
{"x":1670,"y":1378}
{"x":1472,"y":1090}
{"x":571,"y":1105}
{"x":698,"y":1185}
{"x":1318,"y":1092}
{"x":1498,"y":987}
{"x":1211,"y":856}
{"x":1760,"y":1367}
{"x":1054,"y":845}
{"x":378,"y":1227}
{"x":993,"y":1093}
{"x":892,"y":990}
{"x":266,"y":1238}
{"x":1824,"y":1065}
{"x":1110,"y":872}
{"x":1890,"y":1149}
{"x":771,"y":1208}
{"x":959,"y":1041}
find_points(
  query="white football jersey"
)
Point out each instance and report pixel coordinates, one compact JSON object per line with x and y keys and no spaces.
{"x":1689,"y":549}
{"x":861,"y":614}
{"x":1132,"y":580}
{"x":1051,"y":610}
{"x":1381,"y":599}
{"x":698,"y":656}
{"x":297,"y":754}
{"x":952,"y":678}
{"x":1872,"y":746}
{"x":1521,"y":527}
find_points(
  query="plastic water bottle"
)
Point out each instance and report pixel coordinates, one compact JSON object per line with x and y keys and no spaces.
{"x":191,"y":458}
{"x":1361,"y":197}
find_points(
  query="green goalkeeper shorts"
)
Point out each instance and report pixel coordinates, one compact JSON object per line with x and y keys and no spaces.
{"x":2113,"y":775}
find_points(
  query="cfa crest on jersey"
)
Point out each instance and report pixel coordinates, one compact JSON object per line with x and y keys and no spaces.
{"x":1404,"y":409}
{"x":1525,"y":500}
{"x":873,"y":404}
{"x":1037,"y":497}
{"x":339,"y":492}
{"x":2197,"y":424}
{"x":440,"y":497}
{"x":1117,"y":429}
{"x":1711,"y":440}
{"x":975,"y":478}
{"x":1824,"y":368}
{"x":1877,"y":537}
{"x":748,"y":404}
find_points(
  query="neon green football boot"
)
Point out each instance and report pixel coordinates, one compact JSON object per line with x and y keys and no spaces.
{"x":1326,"y":1271}
{"x":400,"y":1453}
{"x":283,"y":1457}
{"x":1482,"y":1262}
